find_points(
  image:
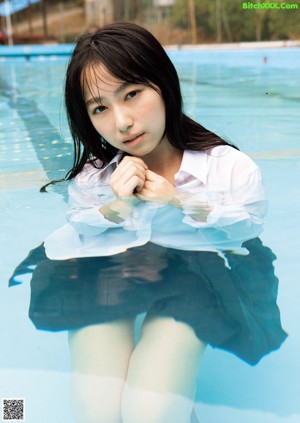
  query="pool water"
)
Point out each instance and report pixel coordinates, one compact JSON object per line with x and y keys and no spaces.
{"x":250,"y":97}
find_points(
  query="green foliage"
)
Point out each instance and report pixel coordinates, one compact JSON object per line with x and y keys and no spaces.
{"x":238,"y":24}
{"x":285,"y":24}
{"x":180,"y":14}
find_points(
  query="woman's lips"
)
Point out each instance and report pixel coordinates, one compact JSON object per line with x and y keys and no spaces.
{"x":133,"y":141}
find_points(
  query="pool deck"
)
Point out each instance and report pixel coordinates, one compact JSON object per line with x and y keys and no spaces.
{"x":237,"y":46}
{"x":28,"y":51}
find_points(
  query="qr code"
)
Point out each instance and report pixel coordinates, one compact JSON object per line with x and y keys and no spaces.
{"x":13,"y":409}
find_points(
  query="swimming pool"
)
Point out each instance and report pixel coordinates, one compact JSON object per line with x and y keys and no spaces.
{"x":251,"y":97}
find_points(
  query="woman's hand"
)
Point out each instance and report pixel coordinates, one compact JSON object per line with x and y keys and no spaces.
{"x":156,"y":188}
{"x":129,"y":177}
{"x":198,"y":210}
{"x":118,"y":209}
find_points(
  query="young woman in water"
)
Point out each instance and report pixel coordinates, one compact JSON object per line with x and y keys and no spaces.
{"x":163,"y":219}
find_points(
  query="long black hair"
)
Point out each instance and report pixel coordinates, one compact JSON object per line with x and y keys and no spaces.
{"x":131,"y":54}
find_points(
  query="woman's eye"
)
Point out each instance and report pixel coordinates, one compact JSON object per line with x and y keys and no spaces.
{"x":132,"y":94}
{"x":98,"y":109}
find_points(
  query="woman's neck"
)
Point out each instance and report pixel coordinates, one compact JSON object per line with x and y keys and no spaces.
{"x":166,"y":162}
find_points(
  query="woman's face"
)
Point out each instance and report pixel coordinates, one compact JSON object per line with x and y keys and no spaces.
{"x":130,"y":117}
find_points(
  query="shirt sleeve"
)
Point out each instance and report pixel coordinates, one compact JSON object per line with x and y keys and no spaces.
{"x":86,"y":196}
{"x":245,"y":202}
{"x":244,"y":205}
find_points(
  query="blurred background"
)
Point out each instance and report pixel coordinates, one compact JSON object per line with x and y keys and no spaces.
{"x":171,"y":21}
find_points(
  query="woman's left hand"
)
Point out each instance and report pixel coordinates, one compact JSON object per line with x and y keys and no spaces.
{"x":156,"y":188}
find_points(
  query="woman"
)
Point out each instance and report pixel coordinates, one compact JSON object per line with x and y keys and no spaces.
{"x":163,"y":219}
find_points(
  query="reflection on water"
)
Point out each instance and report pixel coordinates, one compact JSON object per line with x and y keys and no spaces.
{"x":230,"y":307}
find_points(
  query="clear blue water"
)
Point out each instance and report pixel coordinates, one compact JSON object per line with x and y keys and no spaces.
{"x":234,"y":93}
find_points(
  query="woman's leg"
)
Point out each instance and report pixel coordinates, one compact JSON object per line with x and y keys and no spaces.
{"x":100,"y":355}
{"x":161,"y":380}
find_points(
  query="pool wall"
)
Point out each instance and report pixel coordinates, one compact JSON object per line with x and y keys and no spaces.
{"x":36,"y":50}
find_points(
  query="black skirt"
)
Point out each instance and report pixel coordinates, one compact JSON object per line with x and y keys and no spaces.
{"x":229,"y":302}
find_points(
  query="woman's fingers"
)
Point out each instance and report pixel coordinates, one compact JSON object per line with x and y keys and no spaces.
{"x":156,"y":188}
{"x":127,"y":170}
{"x":129,"y":186}
{"x":154,"y":177}
{"x":118,"y":180}
{"x":128,"y":177}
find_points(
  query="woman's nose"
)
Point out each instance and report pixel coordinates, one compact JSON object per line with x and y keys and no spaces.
{"x":124,"y":120}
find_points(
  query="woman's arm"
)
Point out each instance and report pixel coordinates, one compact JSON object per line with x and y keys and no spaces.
{"x":244,"y":200}
{"x":97,"y":203}
{"x":118,"y":209}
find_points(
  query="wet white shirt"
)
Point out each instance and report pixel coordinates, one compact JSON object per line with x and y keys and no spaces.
{"x":225,"y":179}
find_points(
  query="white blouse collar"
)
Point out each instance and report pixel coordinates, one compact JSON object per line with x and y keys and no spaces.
{"x":193,"y":162}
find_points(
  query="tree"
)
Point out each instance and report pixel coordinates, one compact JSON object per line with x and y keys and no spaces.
{"x":193,"y":20}
{"x":226,"y":20}
{"x":45,"y":20}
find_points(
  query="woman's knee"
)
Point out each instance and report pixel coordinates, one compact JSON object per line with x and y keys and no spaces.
{"x":166,"y":359}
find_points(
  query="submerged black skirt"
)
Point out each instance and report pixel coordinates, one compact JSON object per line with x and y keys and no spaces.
{"x":230,"y":303}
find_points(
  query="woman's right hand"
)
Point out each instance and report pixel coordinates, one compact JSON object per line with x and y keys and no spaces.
{"x":129,"y":177}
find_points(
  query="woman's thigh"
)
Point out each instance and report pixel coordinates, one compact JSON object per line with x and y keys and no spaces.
{"x":103,"y":349}
{"x":162,"y":373}
{"x":100,"y":356}
{"x":166,"y":358}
